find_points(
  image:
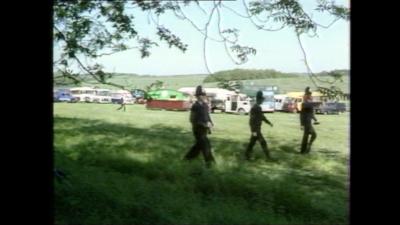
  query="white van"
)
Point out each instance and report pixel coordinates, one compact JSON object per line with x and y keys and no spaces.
{"x":83,"y":94}
{"x":102,"y":96}
{"x":238,"y":103}
{"x":116,"y":96}
{"x":279,"y":100}
{"x":224,"y":100}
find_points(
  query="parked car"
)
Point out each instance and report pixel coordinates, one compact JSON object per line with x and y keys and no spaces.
{"x":330,"y":108}
{"x":64,"y":97}
{"x":289,"y":105}
{"x":342,"y":107}
{"x":139,"y":96}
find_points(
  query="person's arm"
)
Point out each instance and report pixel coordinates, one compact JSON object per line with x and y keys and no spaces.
{"x":313,"y":112}
{"x":192,"y":116}
{"x":209,"y":117}
{"x":267,"y":121}
{"x":313,"y":117}
{"x":302,"y":118}
{"x":259,"y":112}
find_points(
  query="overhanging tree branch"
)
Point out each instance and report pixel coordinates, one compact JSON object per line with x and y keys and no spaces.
{"x":96,"y":28}
{"x":260,"y":27}
{"x":312,"y":76}
{"x":96,"y":76}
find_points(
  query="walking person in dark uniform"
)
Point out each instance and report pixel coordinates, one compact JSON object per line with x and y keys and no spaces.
{"x":256,"y":119}
{"x":306,"y":117}
{"x":122,"y":104}
{"x":201,"y":124}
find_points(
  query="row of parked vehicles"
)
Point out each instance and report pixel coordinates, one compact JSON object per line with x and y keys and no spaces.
{"x":232,"y":101}
{"x":291,"y":102}
{"x":96,"y":95}
{"x":219,"y":99}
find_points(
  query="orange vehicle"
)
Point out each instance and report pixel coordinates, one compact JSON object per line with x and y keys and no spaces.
{"x":293,"y":101}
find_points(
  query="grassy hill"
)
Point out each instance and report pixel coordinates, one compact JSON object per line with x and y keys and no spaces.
{"x":295,"y":83}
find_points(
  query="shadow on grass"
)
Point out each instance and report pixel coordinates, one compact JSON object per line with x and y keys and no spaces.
{"x":104,"y":158}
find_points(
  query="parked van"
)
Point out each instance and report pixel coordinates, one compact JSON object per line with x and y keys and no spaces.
{"x":102,"y":96}
{"x":224,"y":100}
{"x":237,"y":103}
{"x":294,"y":100}
{"x":116,"y":96}
{"x":83,"y":94}
{"x":279,"y":100}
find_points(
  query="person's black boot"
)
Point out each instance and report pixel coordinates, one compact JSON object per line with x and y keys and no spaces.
{"x":303,"y":150}
{"x":309,"y":148}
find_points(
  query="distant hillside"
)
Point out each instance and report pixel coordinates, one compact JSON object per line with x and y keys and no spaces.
{"x":131,"y":81}
{"x":342,"y":72}
{"x":245,"y":74}
{"x":326,"y":73}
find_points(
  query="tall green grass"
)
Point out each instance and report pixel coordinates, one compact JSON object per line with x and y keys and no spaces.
{"x":126,"y":168}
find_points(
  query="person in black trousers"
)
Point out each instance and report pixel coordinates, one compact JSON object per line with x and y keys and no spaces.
{"x":122,"y":101}
{"x":306,"y":117}
{"x":201,"y":124}
{"x":256,"y":119}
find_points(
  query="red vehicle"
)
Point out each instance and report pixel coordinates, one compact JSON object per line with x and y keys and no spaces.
{"x":290,"y":105}
{"x":293,"y":105}
{"x":168,"y":104}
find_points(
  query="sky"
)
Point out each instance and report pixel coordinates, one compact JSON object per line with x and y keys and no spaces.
{"x":277,"y":50}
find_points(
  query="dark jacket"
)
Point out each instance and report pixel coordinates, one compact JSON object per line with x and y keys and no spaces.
{"x":199,"y":114}
{"x":256,"y":118}
{"x":307,"y":114}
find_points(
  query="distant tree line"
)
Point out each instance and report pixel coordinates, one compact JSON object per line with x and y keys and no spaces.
{"x":330,"y":73}
{"x":249,"y":74}
{"x":245,"y":74}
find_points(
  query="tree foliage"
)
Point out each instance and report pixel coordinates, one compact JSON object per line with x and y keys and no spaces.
{"x":155,"y":86}
{"x":86,"y":30}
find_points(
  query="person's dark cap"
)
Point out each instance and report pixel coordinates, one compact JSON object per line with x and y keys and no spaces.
{"x":260,"y":96}
{"x":200,"y":91}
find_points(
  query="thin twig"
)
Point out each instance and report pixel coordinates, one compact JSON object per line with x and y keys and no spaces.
{"x":311,"y":74}
{"x":260,"y":27}
{"x":205,"y":39}
{"x":95,"y":77}
{"x":225,"y":42}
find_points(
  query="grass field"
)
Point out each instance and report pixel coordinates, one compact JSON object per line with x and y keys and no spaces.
{"x":126,"y":168}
